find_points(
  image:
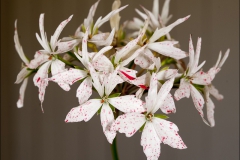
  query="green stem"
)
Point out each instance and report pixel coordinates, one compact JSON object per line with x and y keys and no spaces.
{"x":114,"y":149}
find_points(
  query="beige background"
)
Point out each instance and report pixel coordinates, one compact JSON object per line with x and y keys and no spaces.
{"x":27,"y":134}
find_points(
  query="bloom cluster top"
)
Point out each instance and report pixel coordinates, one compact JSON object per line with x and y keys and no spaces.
{"x":121,"y":68}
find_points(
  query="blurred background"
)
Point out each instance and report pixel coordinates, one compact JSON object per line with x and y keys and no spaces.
{"x":28,"y":134}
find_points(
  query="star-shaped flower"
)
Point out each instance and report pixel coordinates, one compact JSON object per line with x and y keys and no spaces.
{"x":156,"y":130}
{"x":126,"y":103}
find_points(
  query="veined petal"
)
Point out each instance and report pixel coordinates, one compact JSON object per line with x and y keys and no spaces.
{"x":166,"y":74}
{"x":39,"y":58}
{"x":163,"y":31}
{"x":107,"y":119}
{"x":183,"y":90}
{"x":57,"y":67}
{"x":64,"y":79}
{"x":57,"y":33}
{"x":129,"y":123}
{"x":197,"y":99}
{"x":168,"y":133}
{"x":127,"y":104}
{"x":150,"y":142}
{"x":64,"y":46}
{"x":162,"y":94}
{"x":167,"y":48}
{"x":21,"y":75}
{"x":201,"y":78}
{"x":168,"y":105}
{"x":22,"y":93}
{"x":18,"y":46}
{"x":84,"y":91}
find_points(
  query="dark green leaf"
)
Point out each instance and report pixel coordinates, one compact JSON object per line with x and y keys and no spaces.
{"x":114,"y":95}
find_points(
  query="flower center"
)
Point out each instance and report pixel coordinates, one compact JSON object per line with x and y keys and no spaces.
{"x":149,"y":116}
{"x":104,"y":99}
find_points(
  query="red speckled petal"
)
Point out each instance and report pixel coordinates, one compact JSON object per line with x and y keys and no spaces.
{"x":84,"y":112}
{"x":102,"y":63}
{"x":166,"y":74}
{"x":39,"y":58}
{"x":127,"y":104}
{"x":183,"y":90}
{"x":167,"y":48}
{"x":107,"y":119}
{"x":57,"y":67}
{"x":168,"y":133}
{"x":129,"y":123}
{"x":168,"y":105}
{"x":67,"y":78}
{"x":57,"y":33}
{"x":150,"y":142}
{"x":197,"y":99}
{"x":84,"y":91}
{"x":210,"y":111}
{"x":201,"y":78}
{"x":64,"y":46}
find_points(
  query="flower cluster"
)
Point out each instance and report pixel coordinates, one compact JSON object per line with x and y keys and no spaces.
{"x":121,"y":68}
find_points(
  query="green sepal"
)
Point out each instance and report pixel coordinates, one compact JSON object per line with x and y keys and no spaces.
{"x":113,"y":108}
{"x":64,"y":61}
{"x":77,"y":67}
{"x":162,"y":116}
{"x":72,"y":55}
{"x":199,"y":87}
{"x":99,"y":110}
{"x":164,"y":68}
{"x":141,"y":129}
{"x":114,"y":95}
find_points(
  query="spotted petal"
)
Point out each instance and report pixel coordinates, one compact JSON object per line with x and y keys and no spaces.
{"x":127,"y":104}
{"x":168,"y":133}
{"x":183,"y":90}
{"x":129,"y":123}
{"x":168,"y":105}
{"x":150,"y":142}
{"x":107,"y":119}
{"x":84,"y":91}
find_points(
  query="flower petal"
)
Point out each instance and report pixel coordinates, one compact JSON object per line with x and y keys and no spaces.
{"x":168,"y":105}
{"x":127,"y":104}
{"x":67,"y":45}
{"x":22,"y":93}
{"x":64,"y":79}
{"x":103,"y":64}
{"x":214,"y":92}
{"x":107,"y":119}
{"x":150,"y":142}
{"x":57,"y":33}
{"x":111,"y":82}
{"x":162,"y":94}
{"x":167,"y":48}
{"x":129,"y":123}
{"x":183,"y":90}
{"x":163,"y":31}
{"x":84,"y":112}
{"x":21,"y":75}
{"x":166,"y":74}
{"x":84,"y":91}
{"x":201,"y":78}
{"x":89,"y":20}
{"x":39,"y":58}
{"x":105,"y":40}
{"x":152,"y":93}
{"x":210,"y":111}
{"x":18,"y":46}
{"x":114,"y":20}
{"x":57,"y":67}
{"x":127,"y":74}
{"x":197,"y":99}
{"x":168,"y":133}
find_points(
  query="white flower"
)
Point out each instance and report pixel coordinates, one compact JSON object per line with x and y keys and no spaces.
{"x":193,"y":76}
{"x":22,"y":75}
{"x":211,"y":90}
{"x":156,"y":130}
{"x":126,"y":103}
{"x":47,"y":57}
{"x":69,"y":77}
